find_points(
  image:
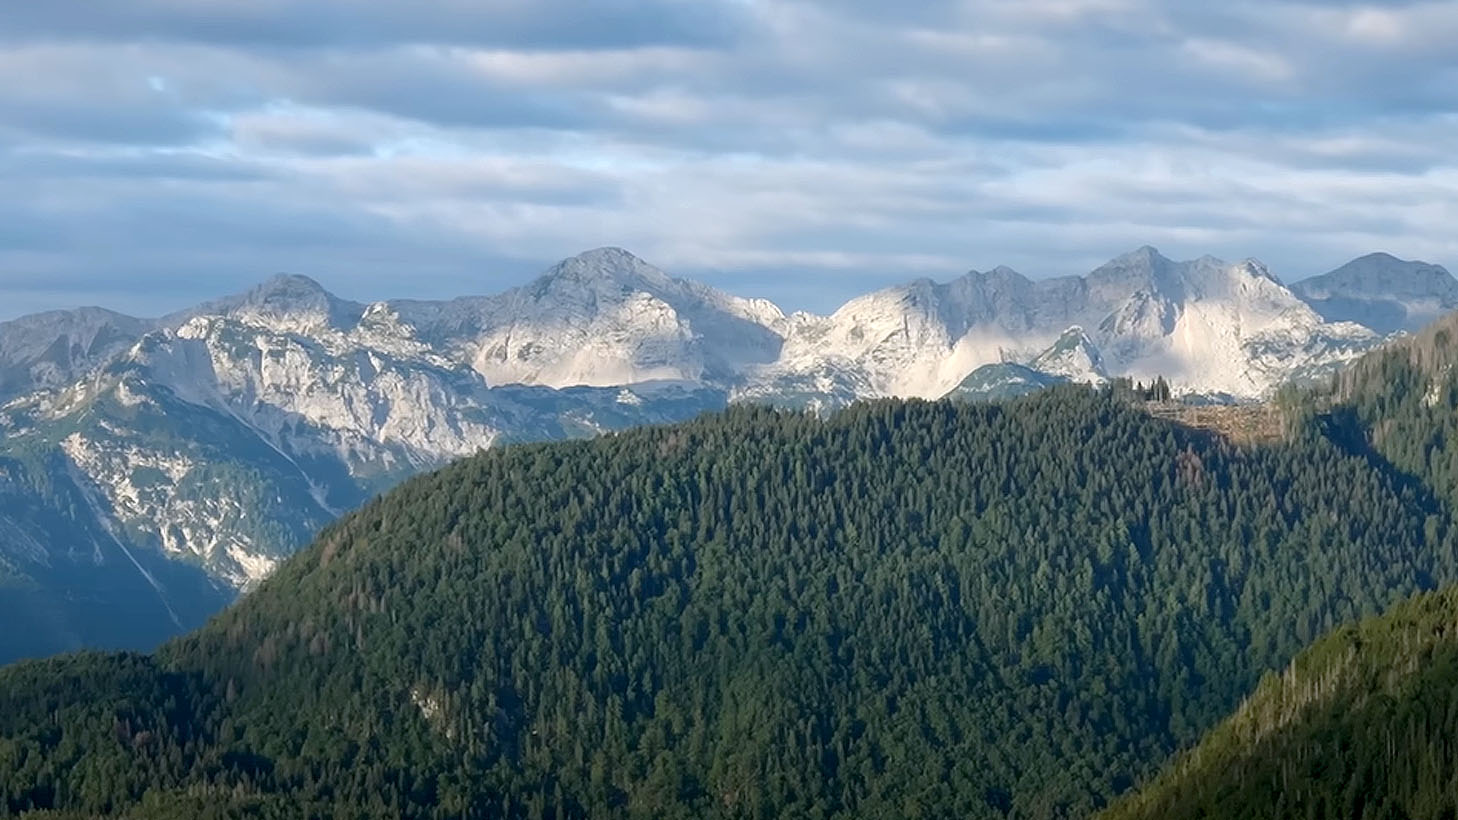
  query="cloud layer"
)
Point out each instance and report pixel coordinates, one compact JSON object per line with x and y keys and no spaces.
{"x":159,"y":151}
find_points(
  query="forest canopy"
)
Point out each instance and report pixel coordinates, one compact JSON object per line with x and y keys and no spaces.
{"x":906,"y":609}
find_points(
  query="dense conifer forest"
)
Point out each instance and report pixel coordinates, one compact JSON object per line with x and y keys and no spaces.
{"x":907,"y":609}
{"x":1362,"y":725}
{"x":1401,"y":403}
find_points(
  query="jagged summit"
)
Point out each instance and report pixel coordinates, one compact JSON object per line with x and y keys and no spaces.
{"x":1002,"y":275}
{"x":1205,"y":324}
{"x":1249,"y":267}
{"x":1147,"y":267}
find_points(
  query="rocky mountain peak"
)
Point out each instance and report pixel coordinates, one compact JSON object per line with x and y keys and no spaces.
{"x":1000,"y":280}
{"x":287,"y":293}
{"x":1144,"y":268}
{"x":46,"y":350}
{"x":1257,"y":269}
{"x":1074,"y":357}
{"x":287,"y":287}
{"x":1144,"y":257}
{"x":286,"y":302}
{"x":1383,"y":292}
{"x":1383,"y":274}
{"x":602,"y":269}
{"x":1074,"y":336}
{"x":998,"y":277}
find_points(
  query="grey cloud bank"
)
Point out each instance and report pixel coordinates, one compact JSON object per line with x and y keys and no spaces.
{"x":158,"y":152}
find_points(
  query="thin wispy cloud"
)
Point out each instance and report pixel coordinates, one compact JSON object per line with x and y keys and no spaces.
{"x":157,"y":151}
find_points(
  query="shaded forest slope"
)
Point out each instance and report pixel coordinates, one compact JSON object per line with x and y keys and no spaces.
{"x":1364,"y":724}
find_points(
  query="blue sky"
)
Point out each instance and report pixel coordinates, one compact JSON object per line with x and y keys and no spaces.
{"x":157,"y":152}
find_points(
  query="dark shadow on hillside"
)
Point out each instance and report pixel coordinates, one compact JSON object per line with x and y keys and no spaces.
{"x":1342,"y":427}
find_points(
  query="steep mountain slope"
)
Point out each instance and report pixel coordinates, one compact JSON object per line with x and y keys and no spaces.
{"x":1074,"y":357}
{"x":1207,"y":326}
{"x":1382,"y":292}
{"x":907,"y":608}
{"x":1361,"y":725}
{"x":224,"y":439}
{"x":68,"y":580}
{"x":1211,"y":327}
{"x":48,"y":350}
{"x":607,"y":318}
{"x":222,"y":436}
{"x":922,"y":338}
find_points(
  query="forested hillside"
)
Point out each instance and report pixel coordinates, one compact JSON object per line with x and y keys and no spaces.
{"x":1362,"y":725}
{"x":1402,"y":402}
{"x":907,"y":609}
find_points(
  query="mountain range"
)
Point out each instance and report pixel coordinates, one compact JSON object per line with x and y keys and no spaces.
{"x":152,"y":468}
